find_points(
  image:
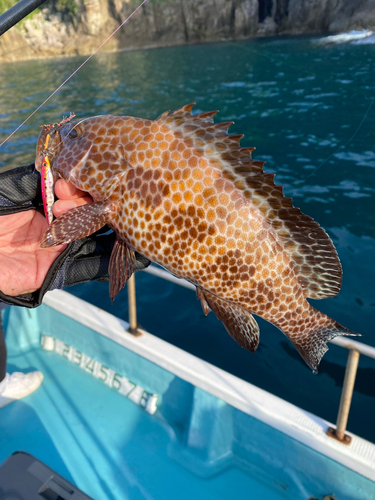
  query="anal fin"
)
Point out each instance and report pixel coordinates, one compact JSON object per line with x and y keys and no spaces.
{"x":121,"y":267}
{"x":77,"y":223}
{"x":239,"y":323}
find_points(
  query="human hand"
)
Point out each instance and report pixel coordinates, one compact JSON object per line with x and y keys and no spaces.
{"x":23,"y":263}
{"x":68,"y":197}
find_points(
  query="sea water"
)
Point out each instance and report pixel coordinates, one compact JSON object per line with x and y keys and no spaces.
{"x":309,"y":110}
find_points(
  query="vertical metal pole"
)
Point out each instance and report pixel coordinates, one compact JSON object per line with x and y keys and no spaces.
{"x":347,"y":393}
{"x":346,"y":398}
{"x":133,"y":328}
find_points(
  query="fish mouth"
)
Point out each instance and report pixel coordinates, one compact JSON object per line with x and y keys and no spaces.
{"x":50,"y":141}
{"x":49,"y":145}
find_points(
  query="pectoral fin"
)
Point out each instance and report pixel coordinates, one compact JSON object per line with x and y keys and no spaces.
{"x":121,"y":267}
{"x":77,"y":223}
{"x":239,"y":323}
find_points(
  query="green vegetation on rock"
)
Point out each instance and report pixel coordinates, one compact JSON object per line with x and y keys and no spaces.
{"x":70,"y":7}
{"x":6,"y":4}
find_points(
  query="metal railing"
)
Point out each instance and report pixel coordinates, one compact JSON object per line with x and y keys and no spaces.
{"x":355,"y":350}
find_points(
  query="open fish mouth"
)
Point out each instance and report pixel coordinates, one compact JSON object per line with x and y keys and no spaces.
{"x":48,"y":148}
{"x":50,"y":141}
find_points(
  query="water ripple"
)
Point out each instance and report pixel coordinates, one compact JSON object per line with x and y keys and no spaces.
{"x":366,"y":159}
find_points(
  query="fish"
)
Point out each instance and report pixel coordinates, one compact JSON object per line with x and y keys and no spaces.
{"x":181,"y":191}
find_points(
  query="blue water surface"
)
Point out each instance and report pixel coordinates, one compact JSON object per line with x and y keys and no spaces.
{"x":309,"y":110}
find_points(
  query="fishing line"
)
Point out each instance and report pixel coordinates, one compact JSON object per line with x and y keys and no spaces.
{"x":74,"y":72}
{"x":341,"y":147}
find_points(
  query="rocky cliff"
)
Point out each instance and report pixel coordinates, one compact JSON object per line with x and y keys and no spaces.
{"x":67,"y":27}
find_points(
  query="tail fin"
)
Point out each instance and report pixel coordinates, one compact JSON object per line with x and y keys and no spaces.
{"x":312,"y":345}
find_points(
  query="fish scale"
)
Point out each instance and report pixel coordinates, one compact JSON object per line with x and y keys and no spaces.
{"x":183,"y":193}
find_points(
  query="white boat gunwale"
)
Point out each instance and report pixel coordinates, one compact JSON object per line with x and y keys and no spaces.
{"x":272,"y":410}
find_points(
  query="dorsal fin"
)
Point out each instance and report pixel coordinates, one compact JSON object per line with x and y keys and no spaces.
{"x":163,"y":115}
{"x":309,"y":246}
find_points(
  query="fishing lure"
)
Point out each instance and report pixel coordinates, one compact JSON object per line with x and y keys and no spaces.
{"x":47,"y":189}
{"x":46,"y":170}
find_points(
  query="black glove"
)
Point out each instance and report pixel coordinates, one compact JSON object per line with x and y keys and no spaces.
{"x":20,"y":190}
{"x":82,"y":261}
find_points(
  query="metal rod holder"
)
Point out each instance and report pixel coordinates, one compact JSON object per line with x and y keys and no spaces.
{"x":346,"y":399}
{"x":133,"y":324}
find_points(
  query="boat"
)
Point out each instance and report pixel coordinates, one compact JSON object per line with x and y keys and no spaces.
{"x":125,"y":415}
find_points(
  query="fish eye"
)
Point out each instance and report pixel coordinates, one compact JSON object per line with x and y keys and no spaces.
{"x":75,"y":132}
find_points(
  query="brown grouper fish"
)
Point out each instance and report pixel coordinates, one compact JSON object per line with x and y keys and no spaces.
{"x":180,"y":191}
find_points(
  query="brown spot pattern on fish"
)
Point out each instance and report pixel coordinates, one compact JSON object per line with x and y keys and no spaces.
{"x":189,"y":198}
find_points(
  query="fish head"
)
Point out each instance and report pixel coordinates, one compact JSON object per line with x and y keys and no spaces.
{"x":87,"y":152}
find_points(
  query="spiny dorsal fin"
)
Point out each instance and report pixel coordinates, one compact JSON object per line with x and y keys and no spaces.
{"x":179,"y":114}
{"x":208,"y":116}
{"x":163,"y":115}
{"x":309,"y":246}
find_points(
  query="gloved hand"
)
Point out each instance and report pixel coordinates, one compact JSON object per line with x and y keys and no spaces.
{"x":29,"y":271}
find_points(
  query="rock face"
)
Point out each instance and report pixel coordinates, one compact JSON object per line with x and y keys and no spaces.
{"x":68,"y":27}
{"x":314,"y":16}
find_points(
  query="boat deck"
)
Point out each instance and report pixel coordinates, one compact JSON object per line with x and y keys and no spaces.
{"x":103,"y":442}
{"x":210,"y":435}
